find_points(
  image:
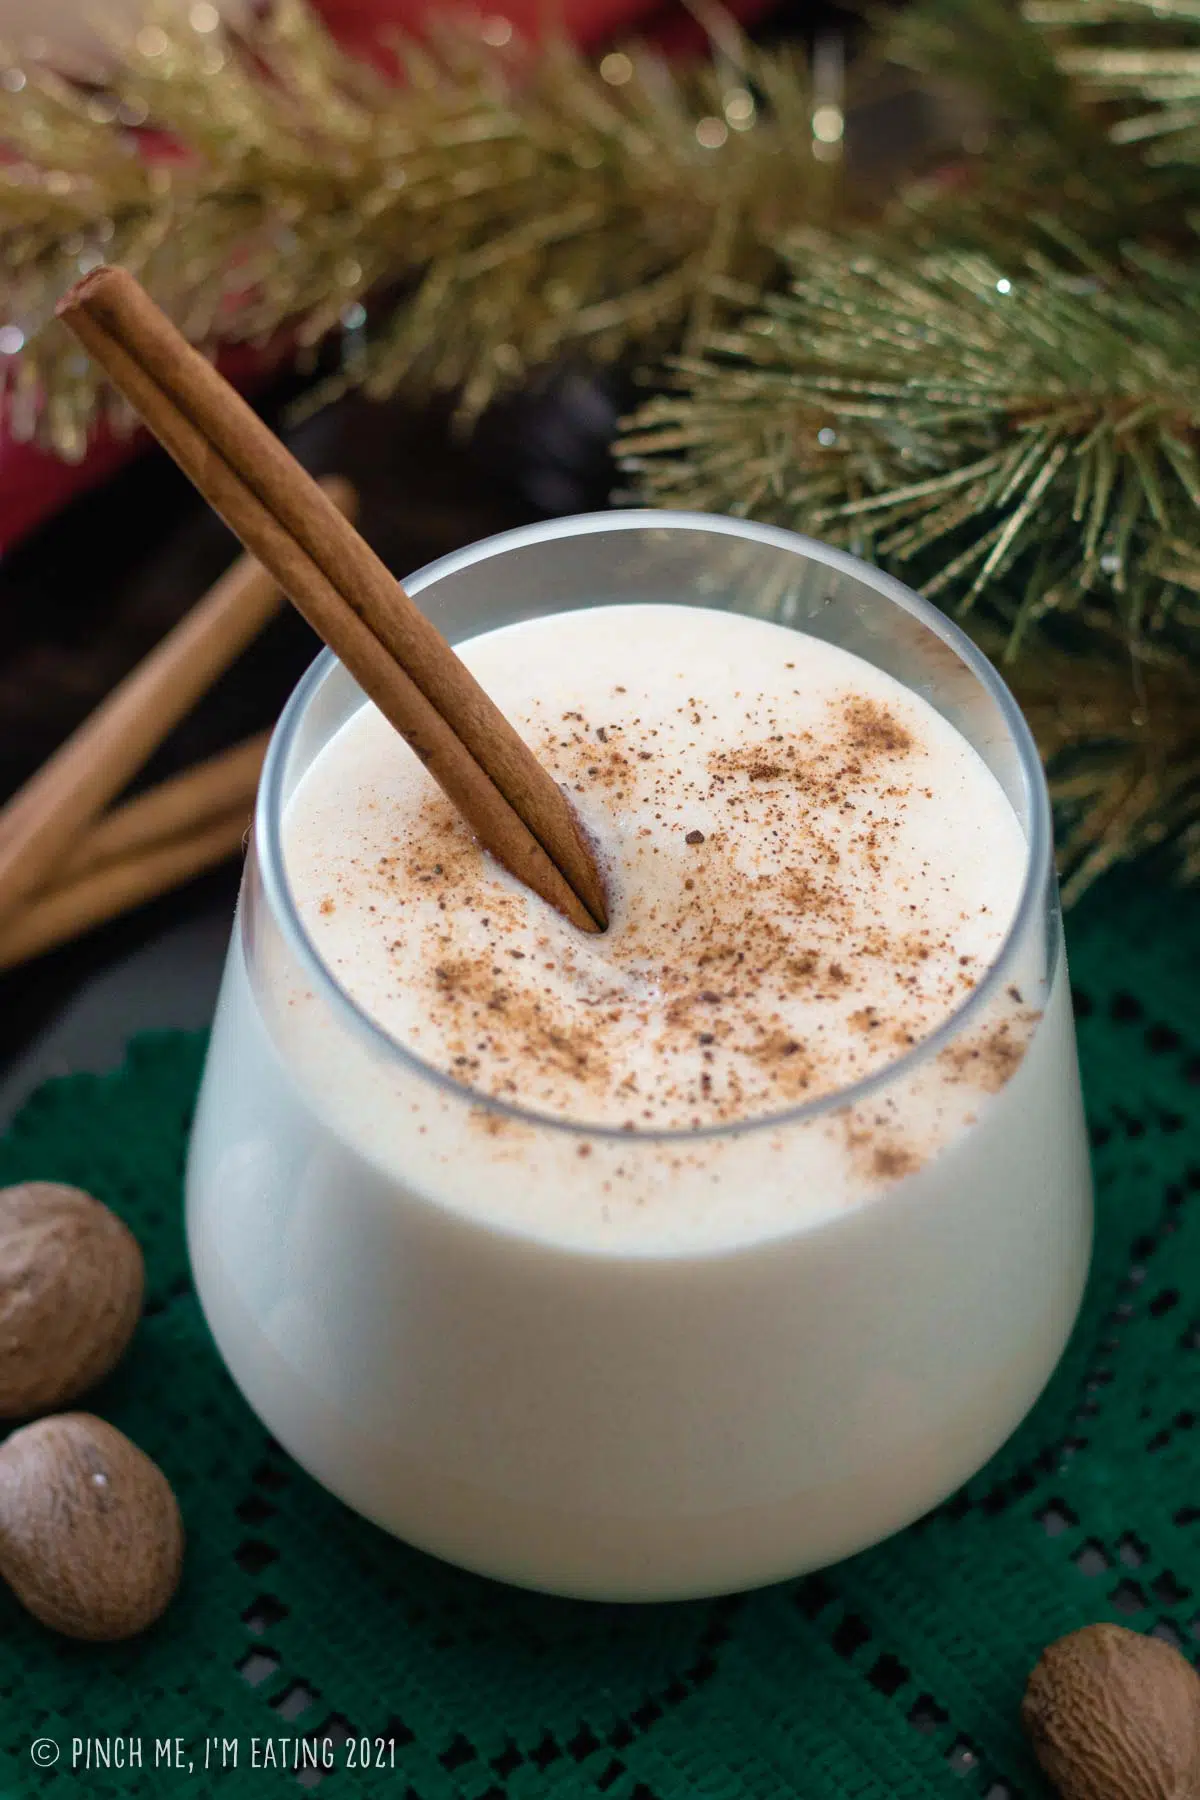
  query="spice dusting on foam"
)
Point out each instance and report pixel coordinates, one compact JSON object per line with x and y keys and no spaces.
{"x":808,"y":868}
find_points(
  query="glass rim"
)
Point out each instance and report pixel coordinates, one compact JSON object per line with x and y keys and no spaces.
{"x":272,"y":869}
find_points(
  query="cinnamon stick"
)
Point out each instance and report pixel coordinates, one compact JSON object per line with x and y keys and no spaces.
{"x":397,"y":656}
{"x":66,"y":912}
{"x":176,"y":808}
{"x":44,"y":819}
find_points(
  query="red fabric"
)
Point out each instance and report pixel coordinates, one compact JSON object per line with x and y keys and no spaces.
{"x":356,"y":22}
{"x":34,"y":484}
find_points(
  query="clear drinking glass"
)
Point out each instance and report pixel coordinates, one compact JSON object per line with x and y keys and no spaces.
{"x":641,"y":1425}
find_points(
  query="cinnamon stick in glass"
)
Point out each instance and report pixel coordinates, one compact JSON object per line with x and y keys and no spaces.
{"x":395,"y":654}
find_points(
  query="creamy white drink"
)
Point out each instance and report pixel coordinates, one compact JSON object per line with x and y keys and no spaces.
{"x":621,"y":1275}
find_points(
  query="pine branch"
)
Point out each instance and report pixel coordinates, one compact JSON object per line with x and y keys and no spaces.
{"x":1020,"y":442}
{"x":1053,"y":130}
{"x":1021,"y":447}
{"x":1122,"y":749}
{"x":1139,"y":57}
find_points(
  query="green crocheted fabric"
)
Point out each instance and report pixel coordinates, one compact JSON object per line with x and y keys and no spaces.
{"x":895,"y":1675}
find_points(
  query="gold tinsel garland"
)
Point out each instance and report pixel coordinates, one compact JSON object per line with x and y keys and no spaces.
{"x":524,"y":204}
{"x":991,"y":381}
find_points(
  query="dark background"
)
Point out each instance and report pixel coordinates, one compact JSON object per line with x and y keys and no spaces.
{"x":87,"y":596}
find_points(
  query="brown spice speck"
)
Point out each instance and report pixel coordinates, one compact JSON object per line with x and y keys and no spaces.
{"x":865,"y":1019}
{"x":873,"y":730}
{"x":990,"y":1058}
{"x":890,"y":1161}
{"x":876,"y":1152}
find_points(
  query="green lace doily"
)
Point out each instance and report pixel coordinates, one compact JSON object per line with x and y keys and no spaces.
{"x":895,"y":1675}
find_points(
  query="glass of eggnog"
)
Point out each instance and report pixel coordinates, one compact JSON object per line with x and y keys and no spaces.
{"x":690,"y":1255}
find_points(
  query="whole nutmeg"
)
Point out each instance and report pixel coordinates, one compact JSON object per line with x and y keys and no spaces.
{"x":1113,"y":1715}
{"x":71,"y":1280}
{"x":91,"y":1541}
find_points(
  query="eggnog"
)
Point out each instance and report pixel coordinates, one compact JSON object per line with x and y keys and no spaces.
{"x":808,"y":870}
{"x":673,"y":1258}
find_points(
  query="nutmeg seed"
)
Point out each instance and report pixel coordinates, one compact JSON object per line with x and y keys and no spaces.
{"x":71,"y":1281}
{"x":91,"y":1541}
{"x":1113,"y":1715}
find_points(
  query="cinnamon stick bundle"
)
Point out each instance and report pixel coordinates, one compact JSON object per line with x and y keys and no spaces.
{"x":42,"y":823}
{"x":102,"y":893}
{"x":176,"y":808}
{"x":397,"y":656}
{"x":141,"y":850}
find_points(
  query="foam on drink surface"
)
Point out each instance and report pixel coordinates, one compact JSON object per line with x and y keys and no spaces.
{"x":809,"y":869}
